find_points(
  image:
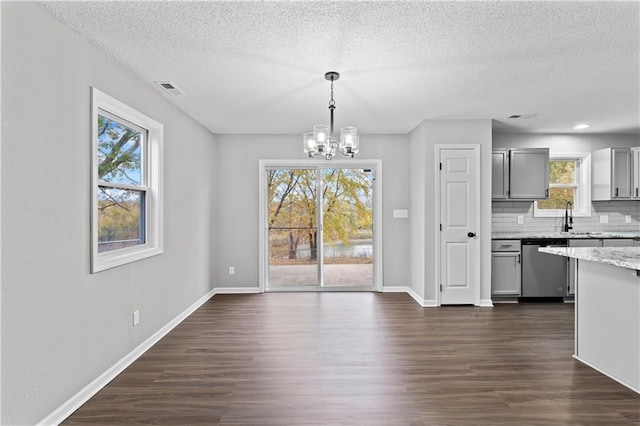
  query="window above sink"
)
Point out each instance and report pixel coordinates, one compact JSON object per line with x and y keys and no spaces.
{"x":569,"y":180}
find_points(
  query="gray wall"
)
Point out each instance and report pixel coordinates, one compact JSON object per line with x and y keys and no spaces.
{"x":423,"y":140}
{"x":61,"y":326}
{"x":505,"y":214}
{"x":237,"y":211}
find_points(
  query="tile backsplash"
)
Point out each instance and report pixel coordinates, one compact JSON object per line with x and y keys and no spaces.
{"x":504,"y":217}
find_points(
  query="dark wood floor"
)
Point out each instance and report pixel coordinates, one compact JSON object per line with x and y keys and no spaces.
{"x":363,"y":359}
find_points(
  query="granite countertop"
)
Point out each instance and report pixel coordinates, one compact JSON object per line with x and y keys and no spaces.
{"x":537,"y":235}
{"x":625,"y":257}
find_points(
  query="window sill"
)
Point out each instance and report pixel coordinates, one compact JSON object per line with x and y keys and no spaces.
{"x":108,"y":260}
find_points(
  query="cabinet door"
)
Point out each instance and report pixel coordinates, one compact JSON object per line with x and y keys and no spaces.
{"x":505,"y":274}
{"x":621,"y":173}
{"x":529,"y":173}
{"x":500,"y":174}
{"x":635,"y":173}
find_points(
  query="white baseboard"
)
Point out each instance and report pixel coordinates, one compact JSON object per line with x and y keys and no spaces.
{"x":430,"y":303}
{"x":623,"y":383}
{"x":486,"y":303}
{"x":76,"y":401}
{"x":237,"y":290}
{"x":411,"y":292}
{"x":395,"y":289}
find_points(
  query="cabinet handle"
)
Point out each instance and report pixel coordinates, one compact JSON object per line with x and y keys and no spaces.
{"x":636,"y":191}
{"x":616,"y":191}
{"x":546,"y":193}
{"x":518,"y":258}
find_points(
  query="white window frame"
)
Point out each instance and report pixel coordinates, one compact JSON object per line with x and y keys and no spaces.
{"x":583,"y":187}
{"x":152,"y":168}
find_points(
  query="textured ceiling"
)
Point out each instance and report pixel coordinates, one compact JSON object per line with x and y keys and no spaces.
{"x":258,"y":67}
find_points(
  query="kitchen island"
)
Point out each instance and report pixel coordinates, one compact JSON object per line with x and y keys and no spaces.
{"x":607,"y":310}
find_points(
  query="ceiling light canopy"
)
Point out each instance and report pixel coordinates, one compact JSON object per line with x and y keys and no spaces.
{"x":322,"y":141}
{"x":581,"y":126}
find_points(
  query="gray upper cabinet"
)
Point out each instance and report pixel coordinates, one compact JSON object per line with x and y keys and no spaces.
{"x":520,"y":174}
{"x":611,"y":174}
{"x":635,"y":173}
{"x":500,"y":174}
{"x":529,"y":173}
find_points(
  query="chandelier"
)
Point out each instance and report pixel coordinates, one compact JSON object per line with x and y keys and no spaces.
{"x":322,"y":141}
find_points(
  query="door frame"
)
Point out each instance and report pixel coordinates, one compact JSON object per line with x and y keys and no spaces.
{"x":263,"y":262}
{"x":477,"y":217}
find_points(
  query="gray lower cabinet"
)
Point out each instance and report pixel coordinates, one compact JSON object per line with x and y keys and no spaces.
{"x":505,"y":268}
{"x":617,"y":242}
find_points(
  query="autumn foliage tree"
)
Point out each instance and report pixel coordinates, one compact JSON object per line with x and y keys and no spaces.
{"x":293,"y":195}
{"x":119,"y":162}
{"x":562,"y":177}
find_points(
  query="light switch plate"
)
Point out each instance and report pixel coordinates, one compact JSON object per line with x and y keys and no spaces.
{"x":604,"y":218}
{"x":627,"y":219}
{"x":400,"y":214}
{"x":520,"y":220}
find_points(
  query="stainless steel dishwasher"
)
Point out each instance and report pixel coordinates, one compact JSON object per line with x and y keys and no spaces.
{"x":543,"y":275}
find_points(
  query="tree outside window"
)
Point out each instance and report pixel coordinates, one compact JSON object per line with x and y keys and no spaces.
{"x":569,"y":181}
{"x":562,"y":185}
{"x":121,"y":184}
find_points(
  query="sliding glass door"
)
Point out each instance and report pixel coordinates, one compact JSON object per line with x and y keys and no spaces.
{"x":347,"y":227}
{"x":293,"y":227}
{"x":320,"y":228}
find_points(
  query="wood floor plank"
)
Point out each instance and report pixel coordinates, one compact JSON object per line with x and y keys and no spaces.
{"x":362,"y":359}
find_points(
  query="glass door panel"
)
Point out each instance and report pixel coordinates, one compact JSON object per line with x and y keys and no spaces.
{"x":292,"y":228}
{"x":347,"y":227}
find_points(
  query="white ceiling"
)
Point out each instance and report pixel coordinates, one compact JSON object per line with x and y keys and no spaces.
{"x":258,"y":67}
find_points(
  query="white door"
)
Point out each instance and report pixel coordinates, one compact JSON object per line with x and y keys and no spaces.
{"x":459,"y":213}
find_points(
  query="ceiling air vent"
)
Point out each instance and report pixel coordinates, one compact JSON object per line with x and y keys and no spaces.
{"x":169,"y":88}
{"x":523,"y":116}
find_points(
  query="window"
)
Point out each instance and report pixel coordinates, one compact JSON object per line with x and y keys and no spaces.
{"x":569,"y":181}
{"x":126,"y":190}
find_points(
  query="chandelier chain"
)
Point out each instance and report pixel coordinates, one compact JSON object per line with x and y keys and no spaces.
{"x":332,"y":102}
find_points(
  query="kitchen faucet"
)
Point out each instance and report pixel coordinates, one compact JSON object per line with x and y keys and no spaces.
{"x":568,"y":218}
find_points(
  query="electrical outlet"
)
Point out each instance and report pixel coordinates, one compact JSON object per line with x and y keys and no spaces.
{"x":136,"y":317}
{"x":232,"y":270}
{"x":520,"y":220}
{"x":604,"y":218}
{"x":627,"y":218}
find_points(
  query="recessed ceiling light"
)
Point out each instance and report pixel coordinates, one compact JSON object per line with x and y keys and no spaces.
{"x":581,"y":126}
